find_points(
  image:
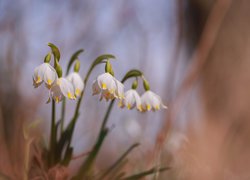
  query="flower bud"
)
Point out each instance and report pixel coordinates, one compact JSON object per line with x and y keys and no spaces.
{"x":135,"y":84}
{"x":77,"y":66}
{"x":146,"y":85}
{"x":47,"y":58}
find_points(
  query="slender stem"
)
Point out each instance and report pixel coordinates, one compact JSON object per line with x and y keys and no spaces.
{"x":62,"y":115}
{"x":52,"y":133}
{"x":105,"y":120}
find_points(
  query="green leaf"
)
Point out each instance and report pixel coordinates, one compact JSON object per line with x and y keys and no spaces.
{"x":143,"y":174}
{"x":55,"y":51}
{"x":119,"y":160}
{"x":132,"y":73}
{"x":68,"y":156}
{"x":72,"y":59}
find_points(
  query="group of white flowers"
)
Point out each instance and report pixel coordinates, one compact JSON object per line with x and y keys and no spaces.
{"x":59,"y":87}
{"x":105,"y":84}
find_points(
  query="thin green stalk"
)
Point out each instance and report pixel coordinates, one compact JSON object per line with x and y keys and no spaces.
{"x":62,"y":115}
{"x":52,"y":134}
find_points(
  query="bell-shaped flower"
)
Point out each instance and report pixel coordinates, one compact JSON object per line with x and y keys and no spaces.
{"x":152,"y":101}
{"x":44,"y":73}
{"x":131,"y":99}
{"x":77,"y":82}
{"x":62,"y":88}
{"x":107,"y":85}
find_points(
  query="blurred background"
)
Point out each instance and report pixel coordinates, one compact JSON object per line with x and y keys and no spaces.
{"x":195,"y":54}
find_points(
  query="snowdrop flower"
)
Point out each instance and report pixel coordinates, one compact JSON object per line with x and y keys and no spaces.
{"x":77,"y":82}
{"x":131,"y":99}
{"x":44,"y":72}
{"x":62,"y":88}
{"x":152,"y":101}
{"x":108,"y":86}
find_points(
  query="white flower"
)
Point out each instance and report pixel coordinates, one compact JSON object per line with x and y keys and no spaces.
{"x":62,"y":88}
{"x":45,"y":72}
{"x":131,"y":99}
{"x":77,"y":82}
{"x":152,"y":101}
{"x":108,"y":86}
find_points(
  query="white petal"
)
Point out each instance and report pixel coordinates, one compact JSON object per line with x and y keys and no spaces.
{"x":38,"y":74}
{"x":50,"y":75}
{"x":77,"y":82}
{"x":129,"y":99}
{"x":146,"y":103}
{"x":119,"y":89}
{"x":137,"y":100}
{"x":66,"y":88}
{"x":56,"y":93}
{"x":105,"y":80}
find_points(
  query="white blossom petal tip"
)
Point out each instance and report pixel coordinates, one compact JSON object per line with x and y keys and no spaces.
{"x":44,"y":73}
{"x":131,"y":100}
{"x":152,"y":101}
{"x":77,"y":83}
{"x":62,"y":88}
{"x":108,"y":86}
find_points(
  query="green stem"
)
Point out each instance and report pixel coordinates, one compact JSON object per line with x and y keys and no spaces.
{"x":52,"y":134}
{"x":62,"y":115}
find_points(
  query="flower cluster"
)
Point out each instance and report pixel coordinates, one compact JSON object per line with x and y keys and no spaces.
{"x":109,"y":88}
{"x":58,"y":86}
{"x":105,"y":84}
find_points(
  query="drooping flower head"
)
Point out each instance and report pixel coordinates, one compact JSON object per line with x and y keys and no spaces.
{"x":150,"y":100}
{"x":76,"y":79}
{"x":131,"y":98}
{"x":62,"y":88}
{"x":108,"y":85}
{"x":44,"y":73}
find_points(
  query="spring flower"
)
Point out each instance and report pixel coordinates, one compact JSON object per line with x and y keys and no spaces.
{"x":108,"y":86}
{"x":152,"y":101}
{"x":44,"y":72}
{"x":62,"y":88}
{"x":131,"y":99}
{"x":77,"y":82}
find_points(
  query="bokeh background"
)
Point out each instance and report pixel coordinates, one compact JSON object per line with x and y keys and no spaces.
{"x":195,"y":54}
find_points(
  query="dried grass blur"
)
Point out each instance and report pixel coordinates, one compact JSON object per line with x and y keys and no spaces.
{"x":204,"y":133}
